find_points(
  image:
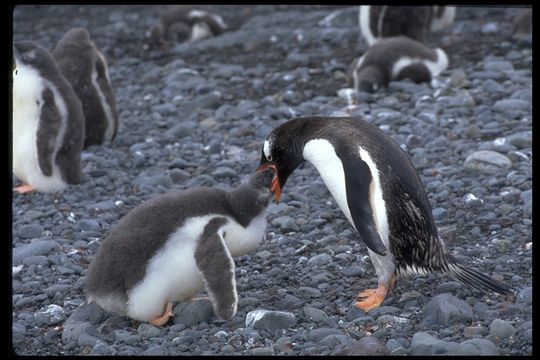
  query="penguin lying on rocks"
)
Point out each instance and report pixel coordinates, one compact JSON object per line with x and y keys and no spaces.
{"x":378,"y":22}
{"x":185,"y":23}
{"x":396,"y":58}
{"x":48,"y":122}
{"x":85,"y":67}
{"x":170,"y":247}
{"x":376,"y":186}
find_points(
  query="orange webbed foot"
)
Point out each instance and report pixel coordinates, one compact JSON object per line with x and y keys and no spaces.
{"x":162,"y":319}
{"x":25,"y":188}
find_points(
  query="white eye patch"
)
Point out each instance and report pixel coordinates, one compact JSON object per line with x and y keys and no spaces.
{"x":266,"y":150}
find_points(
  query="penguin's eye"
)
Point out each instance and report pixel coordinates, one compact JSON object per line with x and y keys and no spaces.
{"x":269,"y":157}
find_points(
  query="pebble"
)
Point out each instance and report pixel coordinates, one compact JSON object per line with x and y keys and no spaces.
{"x":525,"y":296}
{"x":368,"y":346}
{"x":500,"y":329}
{"x":487,"y":161}
{"x":423,"y":344}
{"x":445,"y":309}
{"x":477,"y":347}
{"x":319,"y":260}
{"x":194,"y":312}
{"x":50,"y":316}
{"x":30,"y":231}
{"x":270,"y":320}
{"x":146,"y":330}
{"x":42,"y":247}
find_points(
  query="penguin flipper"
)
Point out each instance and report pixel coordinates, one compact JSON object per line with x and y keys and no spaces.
{"x":216,"y":267}
{"x":47,"y":132}
{"x":357,"y":182}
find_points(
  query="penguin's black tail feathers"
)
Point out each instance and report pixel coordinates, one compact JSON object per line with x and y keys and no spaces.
{"x":476,"y":279}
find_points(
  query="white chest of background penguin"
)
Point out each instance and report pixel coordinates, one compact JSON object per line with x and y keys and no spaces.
{"x":48,"y":122}
{"x":85,"y":67}
{"x":168,"y":248}
{"x":376,"y":186}
{"x":396,"y":58}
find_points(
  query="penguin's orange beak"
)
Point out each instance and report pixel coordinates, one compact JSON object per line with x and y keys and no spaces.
{"x":275,"y":187}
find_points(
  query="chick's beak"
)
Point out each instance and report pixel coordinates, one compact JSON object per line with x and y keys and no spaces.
{"x":275,"y":187}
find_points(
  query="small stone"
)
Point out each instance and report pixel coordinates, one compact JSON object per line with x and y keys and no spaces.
{"x":424,"y":344}
{"x":270,"y":320}
{"x":525,"y":296}
{"x":155,"y":350}
{"x":89,"y":225}
{"x":449,"y":287}
{"x":52,"y":315}
{"x":487,"y":161}
{"x":477,"y":347}
{"x":506,"y":105}
{"x":286,"y":223}
{"x":263,"y":351}
{"x":446,"y":309}
{"x":500,"y":329}
{"x":224,"y":172}
{"x":148,"y":331}
{"x":101,"y":349}
{"x":352,"y":271}
{"x":319,"y":260}
{"x":30,"y":231}
{"x":320,"y":333}
{"x":43,"y":247}
{"x":475,"y":331}
{"x":192,"y":313}
{"x":368,"y":346}
{"x":316,"y":315}
{"x":439,"y":213}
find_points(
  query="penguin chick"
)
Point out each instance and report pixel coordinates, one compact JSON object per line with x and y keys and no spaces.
{"x":185,"y":23}
{"x":378,"y":22}
{"x":86,"y":69}
{"x":377,"y":188}
{"x":48,"y":122}
{"x":396,"y":58}
{"x":170,"y":247}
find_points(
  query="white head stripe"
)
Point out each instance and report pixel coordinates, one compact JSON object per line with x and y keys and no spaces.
{"x":266,"y":148}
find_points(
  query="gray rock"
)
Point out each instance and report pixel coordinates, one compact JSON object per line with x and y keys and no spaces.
{"x":155,"y":350}
{"x":89,"y":225}
{"x":91,"y":312}
{"x":439,"y":213}
{"x":43,"y":247}
{"x":88,"y":340}
{"x":182,"y":130}
{"x":320,"y":333}
{"x":498,"y":65}
{"x":285,"y":223}
{"x":353,"y":271}
{"x":269,"y":320}
{"x":73,"y":329}
{"x":446,"y":309}
{"x":334,"y":340}
{"x":30,"y":231}
{"x":521,"y":140}
{"x":52,"y":315}
{"x":154,"y":181}
{"x":316,"y":315}
{"x":500,"y":329}
{"x":309,"y":292}
{"x":396,"y":348}
{"x":36,"y":260}
{"x":506,"y":105}
{"x":449,"y":287}
{"x":487,"y":161}
{"x":319,"y":260}
{"x":224,"y":172}
{"x":424,"y":344}
{"x":477,"y":347}
{"x":146,"y":330}
{"x":262,"y":351}
{"x":101,"y":349}
{"x":525,"y":296}
{"x":368,"y":346}
{"x":193,"y":312}
{"x":53,"y":289}
{"x":475,"y":331}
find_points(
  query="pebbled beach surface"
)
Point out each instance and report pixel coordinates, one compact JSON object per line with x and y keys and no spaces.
{"x":197,"y":115}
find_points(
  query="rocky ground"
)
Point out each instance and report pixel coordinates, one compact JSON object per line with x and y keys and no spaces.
{"x":198,"y":114}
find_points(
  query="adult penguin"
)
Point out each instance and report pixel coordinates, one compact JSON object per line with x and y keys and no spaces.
{"x":376,"y":186}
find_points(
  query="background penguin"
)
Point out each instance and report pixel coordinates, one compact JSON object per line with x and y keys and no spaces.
{"x":171,"y":246}
{"x":376,"y":186}
{"x":48,"y":122}
{"x":185,"y":23}
{"x":86,"y":69}
{"x":377,"y":22}
{"x":396,"y":58}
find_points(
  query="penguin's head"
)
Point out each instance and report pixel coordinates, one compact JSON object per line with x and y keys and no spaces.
{"x":282,"y":152}
{"x":369,"y":79}
{"x":28,"y":53}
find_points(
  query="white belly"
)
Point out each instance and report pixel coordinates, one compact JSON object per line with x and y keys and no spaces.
{"x":27,"y":89}
{"x":172,"y":274}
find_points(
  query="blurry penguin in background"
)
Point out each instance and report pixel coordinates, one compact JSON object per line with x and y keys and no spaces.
{"x":396,"y":58}
{"x":378,"y":22}
{"x":185,"y":23}
{"x":85,"y":67}
{"x":523,"y":25}
{"x":48,"y":122}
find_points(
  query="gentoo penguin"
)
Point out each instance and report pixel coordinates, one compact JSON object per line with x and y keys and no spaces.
{"x":396,"y":58}
{"x":86,"y":69}
{"x":523,"y":24}
{"x":377,"y":22}
{"x":376,"y":186}
{"x":48,"y":122}
{"x":185,"y":23}
{"x":168,"y":248}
